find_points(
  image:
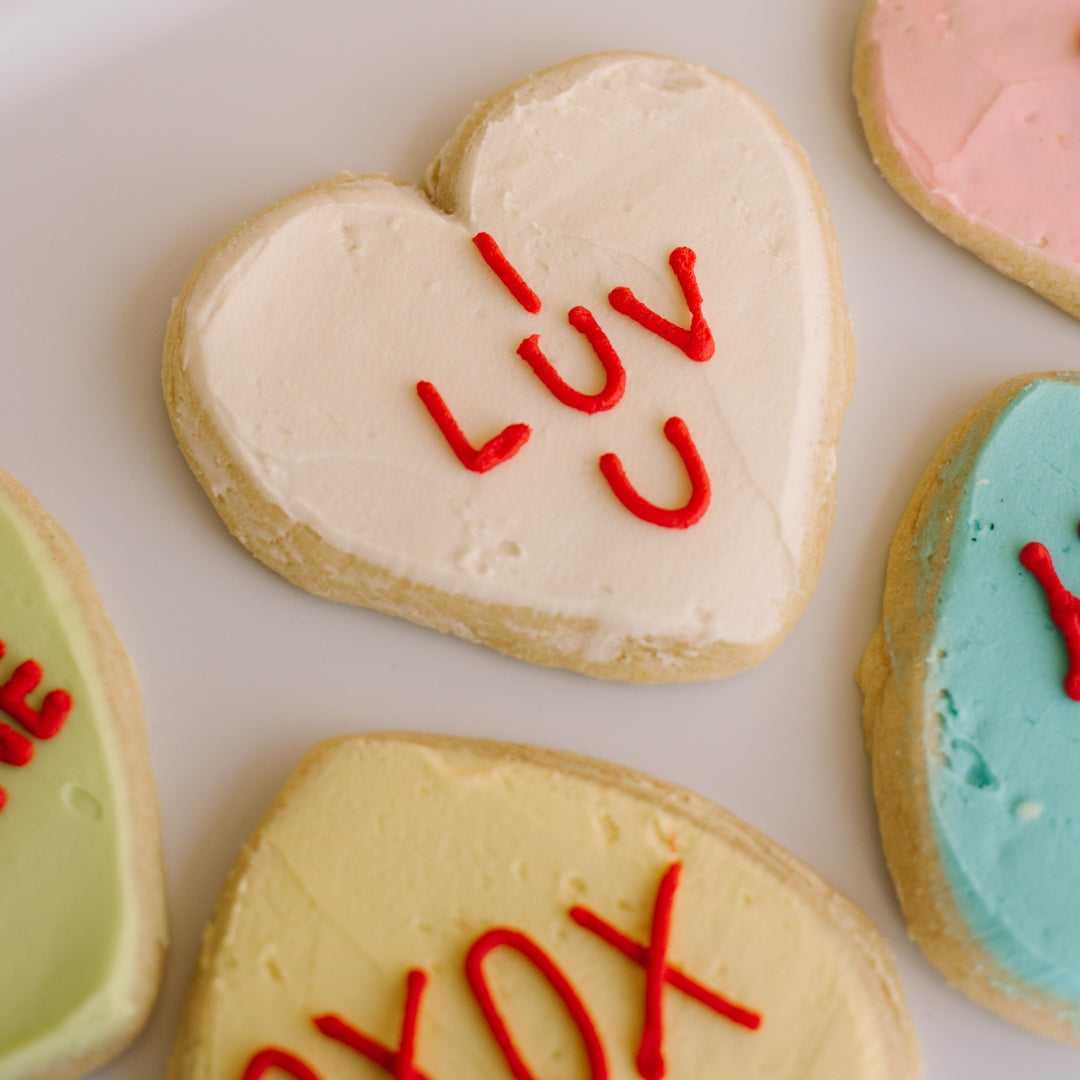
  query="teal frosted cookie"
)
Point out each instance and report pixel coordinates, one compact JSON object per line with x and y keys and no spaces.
{"x":971,"y":714}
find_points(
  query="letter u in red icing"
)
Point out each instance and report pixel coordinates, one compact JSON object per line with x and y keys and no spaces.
{"x":682,"y":517}
{"x":519,"y":942}
{"x":580,"y":319}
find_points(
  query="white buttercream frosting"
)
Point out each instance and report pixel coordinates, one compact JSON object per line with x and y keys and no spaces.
{"x":306,"y":346}
{"x":384,"y":856}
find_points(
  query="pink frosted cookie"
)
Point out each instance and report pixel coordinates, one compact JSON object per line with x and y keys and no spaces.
{"x":971,"y":112}
{"x":578,"y":399}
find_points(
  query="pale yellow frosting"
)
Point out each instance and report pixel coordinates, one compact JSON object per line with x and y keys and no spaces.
{"x":384,"y":855}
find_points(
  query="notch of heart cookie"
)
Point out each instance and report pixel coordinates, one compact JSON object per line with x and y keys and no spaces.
{"x":294,"y":357}
{"x":969,"y":112}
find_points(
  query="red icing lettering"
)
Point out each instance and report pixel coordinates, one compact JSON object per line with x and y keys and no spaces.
{"x":615,"y":384}
{"x":519,"y":942}
{"x":398,"y":1063}
{"x":494,"y":452}
{"x":677,"y":434}
{"x":1064,"y":609}
{"x":274,"y":1058}
{"x":653,"y":957}
{"x":697,"y":342}
{"x":502,"y":269}
{"x":54,"y":709}
{"x":15,"y":748}
{"x":650,"y":1056}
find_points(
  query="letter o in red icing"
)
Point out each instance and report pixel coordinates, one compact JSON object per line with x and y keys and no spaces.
{"x":519,"y":942}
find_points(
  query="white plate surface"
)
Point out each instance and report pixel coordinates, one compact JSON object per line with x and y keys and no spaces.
{"x":134,"y":135}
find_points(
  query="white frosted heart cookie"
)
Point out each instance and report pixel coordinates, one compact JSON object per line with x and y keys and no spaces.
{"x":82,"y":907}
{"x":972,"y":687}
{"x":579,"y":401}
{"x":483,"y":910}
{"x":969,"y":107}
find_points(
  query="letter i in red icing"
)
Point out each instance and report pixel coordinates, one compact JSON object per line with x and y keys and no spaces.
{"x":1064,"y":609}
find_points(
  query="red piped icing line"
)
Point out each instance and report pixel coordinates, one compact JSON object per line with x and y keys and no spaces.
{"x":500,"y":266}
{"x":494,"y":452}
{"x":580,"y":319}
{"x":398,"y":1063}
{"x":697,"y":342}
{"x":673,"y":976}
{"x":474,"y":972}
{"x":15,"y":749}
{"x":650,"y":1055}
{"x":54,"y":709}
{"x":1064,"y":609}
{"x":274,"y":1058}
{"x":682,"y":518}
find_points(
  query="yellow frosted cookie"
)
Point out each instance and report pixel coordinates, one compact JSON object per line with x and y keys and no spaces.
{"x":443,"y":908}
{"x":578,"y":399}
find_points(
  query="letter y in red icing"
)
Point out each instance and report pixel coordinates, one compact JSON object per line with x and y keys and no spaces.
{"x":399,"y":1063}
{"x":1064,"y":609}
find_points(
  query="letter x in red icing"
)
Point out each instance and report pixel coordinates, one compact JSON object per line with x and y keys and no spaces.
{"x":653,"y":957}
{"x":1064,"y":609}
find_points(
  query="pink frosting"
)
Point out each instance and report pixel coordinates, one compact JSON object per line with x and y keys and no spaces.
{"x":982,"y":100}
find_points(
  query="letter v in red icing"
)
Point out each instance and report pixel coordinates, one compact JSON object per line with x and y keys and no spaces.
{"x":494,"y":452}
{"x":1064,"y":609}
{"x":683,"y":517}
{"x":697,"y":342}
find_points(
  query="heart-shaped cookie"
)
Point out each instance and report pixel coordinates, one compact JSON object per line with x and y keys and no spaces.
{"x":970,"y":110}
{"x":972,"y":690}
{"x":423,"y":907}
{"x":82,"y":910}
{"x":579,"y":403}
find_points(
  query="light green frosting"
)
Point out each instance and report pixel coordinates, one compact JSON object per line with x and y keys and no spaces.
{"x":68,"y":934}
{"x":1004,"y":771}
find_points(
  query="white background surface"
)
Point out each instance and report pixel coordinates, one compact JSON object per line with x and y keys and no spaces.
{"x":133,"y":135}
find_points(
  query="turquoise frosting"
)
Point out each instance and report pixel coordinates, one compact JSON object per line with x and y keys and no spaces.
{"x":1004,"y":778}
